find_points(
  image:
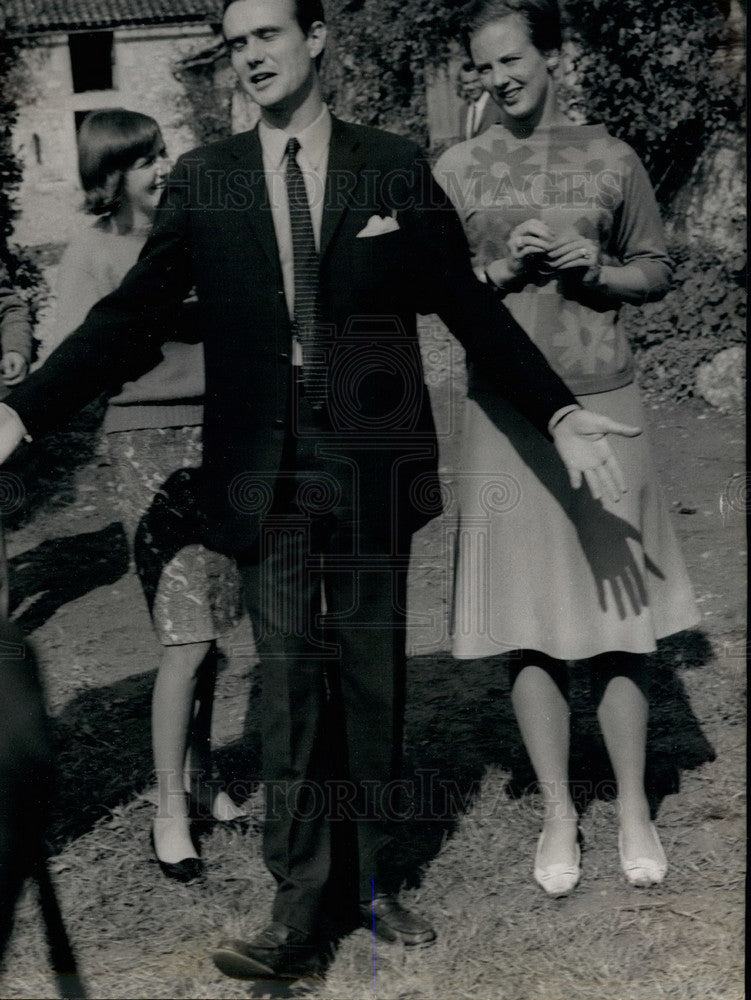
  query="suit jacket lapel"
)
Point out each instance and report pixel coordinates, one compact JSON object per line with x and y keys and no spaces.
{"x":248,"y":152}
{"x":346,"y":160}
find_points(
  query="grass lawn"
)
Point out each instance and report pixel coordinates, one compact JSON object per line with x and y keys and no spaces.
{"x":468,"y":846}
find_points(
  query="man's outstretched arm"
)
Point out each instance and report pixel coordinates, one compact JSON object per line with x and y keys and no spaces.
{"x":121,"y":335}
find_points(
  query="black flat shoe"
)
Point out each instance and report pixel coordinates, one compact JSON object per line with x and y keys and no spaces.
{"x":277,"y":952}
{"x":390,"y":921}
{"x":186,"y":871}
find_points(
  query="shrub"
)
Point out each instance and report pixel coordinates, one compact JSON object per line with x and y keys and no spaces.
{"x":205,"y":105}
{"x":703,"y":313}
{"x":375,"y":73}
{"x":22,"y":268}
{"x":650,"y":72}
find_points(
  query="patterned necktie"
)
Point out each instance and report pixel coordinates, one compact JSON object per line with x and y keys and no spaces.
{"x":306,"y":267}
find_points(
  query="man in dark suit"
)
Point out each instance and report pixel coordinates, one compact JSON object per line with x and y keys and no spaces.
{"x":312,"y":244}
{"x":480,"y":110}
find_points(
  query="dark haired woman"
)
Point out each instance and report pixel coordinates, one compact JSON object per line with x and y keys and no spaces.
{"x":153,"y":426}
{"x":562,"y":221}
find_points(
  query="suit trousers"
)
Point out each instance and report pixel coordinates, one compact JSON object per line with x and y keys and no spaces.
{"x":325,"y":587}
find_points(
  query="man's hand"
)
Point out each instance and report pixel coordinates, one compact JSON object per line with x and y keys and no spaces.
{"x":15,"y":368}
{"x":12,"y":432}
{"x":580,"y":440}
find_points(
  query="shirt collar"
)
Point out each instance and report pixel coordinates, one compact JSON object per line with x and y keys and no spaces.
{"x":314,"y":141}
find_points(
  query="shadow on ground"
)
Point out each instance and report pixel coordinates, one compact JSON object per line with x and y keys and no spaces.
{"x":103,"y":744}
{"x":460,"y":721}
{"x":61,"y":570}
{"x":47,"y":468}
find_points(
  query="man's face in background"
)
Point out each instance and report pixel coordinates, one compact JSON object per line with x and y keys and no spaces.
{"x":470,"y":84}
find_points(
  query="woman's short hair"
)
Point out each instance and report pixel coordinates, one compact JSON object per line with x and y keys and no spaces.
{"x":543,"y":19}
{"x":109,"y":143}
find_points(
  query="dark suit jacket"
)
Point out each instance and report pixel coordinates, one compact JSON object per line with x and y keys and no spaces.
{"x":215,"y":230}
{"x":491,"y":115}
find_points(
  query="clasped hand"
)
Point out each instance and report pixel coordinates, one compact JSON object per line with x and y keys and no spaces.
{"x":534,"y":246}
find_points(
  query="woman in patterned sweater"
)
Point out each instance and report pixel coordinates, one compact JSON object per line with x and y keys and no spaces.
{"x":562,"y":221}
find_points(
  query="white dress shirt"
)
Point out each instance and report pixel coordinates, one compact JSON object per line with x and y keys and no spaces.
{"x":475,"y":113}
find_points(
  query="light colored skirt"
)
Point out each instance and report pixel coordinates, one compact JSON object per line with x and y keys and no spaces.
{"x":542,"y":566}
{"x":193,"y":593}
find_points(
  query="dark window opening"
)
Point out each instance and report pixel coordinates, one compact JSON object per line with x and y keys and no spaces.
{"x":91,"y":60}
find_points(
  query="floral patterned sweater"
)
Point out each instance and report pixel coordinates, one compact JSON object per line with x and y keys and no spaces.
{"x":572,"y":177}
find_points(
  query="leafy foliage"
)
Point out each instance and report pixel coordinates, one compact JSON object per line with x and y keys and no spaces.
{"x":10,"y":168}
{"x":380,"y":49}
{"x":21,"y":266}
{"x":649,"y":75}
{"x":206,"y":102}
{"x":703,"y":313}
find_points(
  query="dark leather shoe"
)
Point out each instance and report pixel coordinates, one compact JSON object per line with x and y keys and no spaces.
{"x":188,"y":870}
{"x":391,"y":922}
{"x":277,"y":952}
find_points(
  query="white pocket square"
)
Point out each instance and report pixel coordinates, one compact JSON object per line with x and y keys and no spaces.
{"x":378,"y":225}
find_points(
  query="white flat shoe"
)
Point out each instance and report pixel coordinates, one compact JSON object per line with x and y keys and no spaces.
{"x":559,"y":878}
{"x":644,"y":871}
{"x":224,"y":810}
{"x":220,"y":808}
